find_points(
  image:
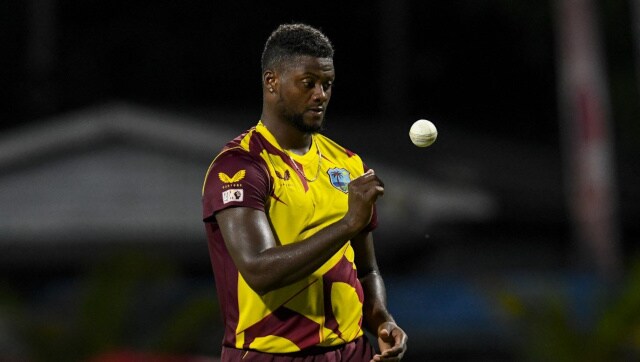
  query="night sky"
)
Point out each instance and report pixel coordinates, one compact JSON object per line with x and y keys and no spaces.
{"x":484,"y":65}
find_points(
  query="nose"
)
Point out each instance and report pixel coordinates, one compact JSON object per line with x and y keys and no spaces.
{"x":320,"y":94}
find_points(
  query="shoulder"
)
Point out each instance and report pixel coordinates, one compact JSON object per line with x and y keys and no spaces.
{"x":334,"y":146}
{"x":239,"y":150}
{"x":332,"y":149}
{"x":237,"y":161}
{"x":235,"y":154}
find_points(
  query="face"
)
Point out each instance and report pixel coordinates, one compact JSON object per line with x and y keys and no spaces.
{"x":304,"y":90}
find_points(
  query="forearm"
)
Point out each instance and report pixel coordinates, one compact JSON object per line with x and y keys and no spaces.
{"x":375,"y":301}
{"x":278,"y":266}
{"x":266,"y":264}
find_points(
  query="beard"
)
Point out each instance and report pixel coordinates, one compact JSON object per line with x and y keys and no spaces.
{"x":297,"y":120}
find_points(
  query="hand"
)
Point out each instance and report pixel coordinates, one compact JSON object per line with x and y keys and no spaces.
{"x":392,"y":341}
{"x":363,"y":193}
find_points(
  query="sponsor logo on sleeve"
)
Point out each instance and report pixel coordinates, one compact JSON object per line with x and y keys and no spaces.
{"x":232,"y":195}
{"x":229,"y":180}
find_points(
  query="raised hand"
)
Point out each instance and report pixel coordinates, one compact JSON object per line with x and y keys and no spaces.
{"x":363,"y":193}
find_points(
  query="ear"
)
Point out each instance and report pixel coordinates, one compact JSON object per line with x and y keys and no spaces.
{"x":270,"y":80}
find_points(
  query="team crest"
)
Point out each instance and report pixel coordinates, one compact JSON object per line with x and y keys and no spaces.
{"x":339,"y":178}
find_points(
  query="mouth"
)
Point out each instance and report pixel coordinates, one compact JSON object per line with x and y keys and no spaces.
{"x":317,"y":110}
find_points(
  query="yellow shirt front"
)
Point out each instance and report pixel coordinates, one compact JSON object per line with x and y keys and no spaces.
{"x":301,"y":194}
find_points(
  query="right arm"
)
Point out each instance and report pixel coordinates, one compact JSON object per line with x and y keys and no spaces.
{"x":266,"y":266}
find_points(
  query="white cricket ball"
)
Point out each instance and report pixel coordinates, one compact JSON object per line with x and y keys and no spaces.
{"x":423,"y":133}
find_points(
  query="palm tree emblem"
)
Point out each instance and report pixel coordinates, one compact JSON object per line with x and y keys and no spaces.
{"x":339,"y":178}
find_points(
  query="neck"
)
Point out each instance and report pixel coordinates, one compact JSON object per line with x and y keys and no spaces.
{"x":288,"y":136}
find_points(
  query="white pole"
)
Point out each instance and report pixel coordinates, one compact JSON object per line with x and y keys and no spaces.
{"x":585,"y":112}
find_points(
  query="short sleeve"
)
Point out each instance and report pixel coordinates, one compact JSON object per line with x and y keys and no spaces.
{"x":235,"y":179}
{"x":374,"y":216}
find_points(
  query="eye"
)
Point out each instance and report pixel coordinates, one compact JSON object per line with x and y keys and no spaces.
{"x":308,"y":83}
{"x":327,"y":85}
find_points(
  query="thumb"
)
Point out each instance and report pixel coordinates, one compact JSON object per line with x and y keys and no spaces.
{"x":384,"y":333}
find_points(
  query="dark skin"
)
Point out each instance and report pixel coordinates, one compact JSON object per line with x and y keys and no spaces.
{"x":295,"y":99}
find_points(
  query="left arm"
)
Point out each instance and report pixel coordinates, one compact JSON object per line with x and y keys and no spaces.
{"x":392,"y":340}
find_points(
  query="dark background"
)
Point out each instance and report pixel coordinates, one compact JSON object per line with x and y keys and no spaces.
{"x":483,"y":68}
{"x":487,"y":65}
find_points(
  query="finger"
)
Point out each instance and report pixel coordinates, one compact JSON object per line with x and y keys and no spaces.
{"x":373,"y":182}
{"x":400,"y":337}
{"x":384,"y":333}
{"x":376,"y":179}
{"x":364,"y":178}
{"x":397,"y":336}
{"x":369,"y":173}
{"x":393,"y":351}
{"x":398,"y":347}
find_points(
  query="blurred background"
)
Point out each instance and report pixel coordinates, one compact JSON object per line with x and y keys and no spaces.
{"x":513,"y":237}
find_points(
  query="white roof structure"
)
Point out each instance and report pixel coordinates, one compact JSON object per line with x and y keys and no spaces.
{"x":120,"y":174}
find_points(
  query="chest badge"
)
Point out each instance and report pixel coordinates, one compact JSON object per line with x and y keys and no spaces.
{"x":339,"y":178}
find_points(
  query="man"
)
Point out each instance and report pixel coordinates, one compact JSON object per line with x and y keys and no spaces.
{"x":289,"y":215}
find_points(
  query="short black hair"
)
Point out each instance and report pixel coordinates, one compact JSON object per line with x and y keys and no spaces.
{"x":290,"y":40}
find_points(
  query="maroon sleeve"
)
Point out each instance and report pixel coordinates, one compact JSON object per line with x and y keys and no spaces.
{"x":235,"y":179}
{"x":374,"y":217}
{"x":374,"y":221}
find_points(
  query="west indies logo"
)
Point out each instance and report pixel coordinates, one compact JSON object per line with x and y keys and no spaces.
{"x":339,"y":178}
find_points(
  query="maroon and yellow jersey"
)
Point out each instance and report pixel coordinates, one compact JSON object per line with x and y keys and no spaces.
{"x":301,"y":194}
